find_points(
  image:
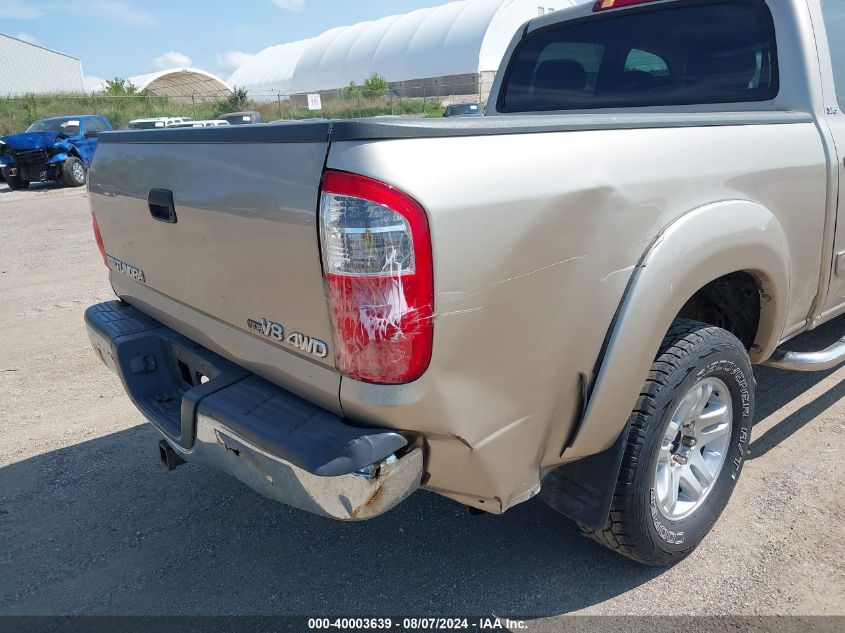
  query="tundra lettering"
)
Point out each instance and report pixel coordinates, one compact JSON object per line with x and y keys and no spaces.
{"x":125,"y":269}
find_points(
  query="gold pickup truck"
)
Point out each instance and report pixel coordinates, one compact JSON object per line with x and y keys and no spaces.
{"x":565,"y":297}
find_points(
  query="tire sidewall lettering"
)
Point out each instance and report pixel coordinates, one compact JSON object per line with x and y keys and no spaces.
{"x":676,"y":533}
{"x":733,"y":370}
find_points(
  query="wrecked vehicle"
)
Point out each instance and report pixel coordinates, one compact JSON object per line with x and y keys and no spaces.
{"x":58,"y":149}
{"x":564,"y":298}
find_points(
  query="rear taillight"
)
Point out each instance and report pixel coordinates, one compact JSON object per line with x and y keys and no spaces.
{"x":377,"y":262}
{"x":99,"y":237}
{"x":603,"y":5}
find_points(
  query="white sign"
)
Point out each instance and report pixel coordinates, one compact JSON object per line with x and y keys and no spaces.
{"x":314,"y":102}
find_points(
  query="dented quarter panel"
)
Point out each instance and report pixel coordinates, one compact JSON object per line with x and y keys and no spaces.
{"x":532,"y":258}
{"x":687,"y":255}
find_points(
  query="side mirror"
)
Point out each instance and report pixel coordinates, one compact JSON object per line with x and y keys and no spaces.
{"x":92,"y":134}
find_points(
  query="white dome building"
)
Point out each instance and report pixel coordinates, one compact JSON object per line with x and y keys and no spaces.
{"x":454,"y":48}
{"x":180,"y":84}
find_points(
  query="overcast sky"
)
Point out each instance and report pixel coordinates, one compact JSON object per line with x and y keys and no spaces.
{"x":122,"y":38}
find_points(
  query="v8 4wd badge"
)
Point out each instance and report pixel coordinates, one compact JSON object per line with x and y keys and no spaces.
{"x":276,"y":331}
{"x":270,"y":329}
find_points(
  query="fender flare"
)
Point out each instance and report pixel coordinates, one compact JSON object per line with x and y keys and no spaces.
{"x":687,"y":255}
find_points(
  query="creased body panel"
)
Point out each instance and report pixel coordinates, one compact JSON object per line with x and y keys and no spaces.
{"x":535,"y":238}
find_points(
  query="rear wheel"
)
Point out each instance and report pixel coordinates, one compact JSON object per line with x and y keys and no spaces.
{"x":14,"y":182}
{"x":687,"y":439}
{"x":73,"y":172}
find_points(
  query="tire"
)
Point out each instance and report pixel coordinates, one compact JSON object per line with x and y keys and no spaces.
{"x":74,"y":173}
{"x":644,"y":524}
{"x":14,"y":182}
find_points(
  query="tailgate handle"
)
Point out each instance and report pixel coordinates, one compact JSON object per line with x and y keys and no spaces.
{"x":161,"y":205}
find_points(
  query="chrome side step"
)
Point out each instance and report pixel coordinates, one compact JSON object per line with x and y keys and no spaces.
{"x":809,"y":361}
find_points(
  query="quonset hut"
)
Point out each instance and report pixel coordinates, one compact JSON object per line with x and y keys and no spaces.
{"x":451,"y":49}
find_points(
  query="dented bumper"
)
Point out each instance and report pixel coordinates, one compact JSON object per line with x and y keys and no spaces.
{"x":355,"y":496}
{"x":213,"y":412}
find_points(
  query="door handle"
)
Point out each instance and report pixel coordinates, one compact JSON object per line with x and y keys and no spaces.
{"x":161,"y":205}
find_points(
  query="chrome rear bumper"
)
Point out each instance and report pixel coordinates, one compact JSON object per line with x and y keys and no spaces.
{"x":214,"y":412}
{"x":361,"y":495}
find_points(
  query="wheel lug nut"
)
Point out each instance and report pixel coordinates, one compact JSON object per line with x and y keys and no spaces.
{"x":679,"y":459}
{"x":688,"y":441}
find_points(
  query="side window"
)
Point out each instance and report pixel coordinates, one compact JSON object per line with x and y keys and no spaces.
{"x":94,"y":125}
{"x":645,"y":62}
{"x":564,"y":67}
{"x":834,"y":22}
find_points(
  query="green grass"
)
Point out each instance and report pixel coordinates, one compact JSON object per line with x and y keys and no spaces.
{"x":16,"y":114}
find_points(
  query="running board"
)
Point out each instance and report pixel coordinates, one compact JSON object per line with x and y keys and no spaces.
{"x":809,"y":361}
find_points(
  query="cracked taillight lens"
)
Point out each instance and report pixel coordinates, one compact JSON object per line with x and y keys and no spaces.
{"x":377,"y":261}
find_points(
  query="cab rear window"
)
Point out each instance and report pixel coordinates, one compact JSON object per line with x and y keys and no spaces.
{"x":666,"y":54}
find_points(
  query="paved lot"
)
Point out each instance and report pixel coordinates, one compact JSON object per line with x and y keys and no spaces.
{"x":91,"y":524}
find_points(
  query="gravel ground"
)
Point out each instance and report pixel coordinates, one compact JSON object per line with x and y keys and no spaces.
{"x":91,"y":524}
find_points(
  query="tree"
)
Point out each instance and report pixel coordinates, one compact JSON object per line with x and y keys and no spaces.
{"x":375,"y":86}
{"x":118,"y":87}
{"x":351,"y":91}
{"x":235,"y":102}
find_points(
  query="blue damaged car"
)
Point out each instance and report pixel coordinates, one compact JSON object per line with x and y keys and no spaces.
{"x":58,"y":149}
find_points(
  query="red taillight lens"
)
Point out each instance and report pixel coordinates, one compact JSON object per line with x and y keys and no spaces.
{"x":377,"y":261}
{"x":603,"y":5}
{"x":99,"y":237}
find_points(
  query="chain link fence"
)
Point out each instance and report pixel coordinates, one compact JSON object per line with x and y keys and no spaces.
{"x":404,"y":99}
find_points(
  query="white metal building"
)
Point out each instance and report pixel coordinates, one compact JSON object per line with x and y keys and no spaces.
{"x":31,"y":69}
{"x":454,"y":46}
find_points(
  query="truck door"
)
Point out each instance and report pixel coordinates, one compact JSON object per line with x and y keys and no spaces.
{"x":833,"y":16}
{"x":88,"y":140}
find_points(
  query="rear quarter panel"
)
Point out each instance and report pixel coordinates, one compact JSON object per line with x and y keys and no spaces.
{"x":535,"y":238}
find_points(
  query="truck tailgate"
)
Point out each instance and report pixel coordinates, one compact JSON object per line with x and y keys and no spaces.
{"x":242,"y":245}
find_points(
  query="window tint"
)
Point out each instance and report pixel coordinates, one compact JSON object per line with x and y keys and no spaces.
{"x":663,"y":55}
{"x":95,"y":125}
{"x":834,"y":21}
{"x":643,"y":61}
